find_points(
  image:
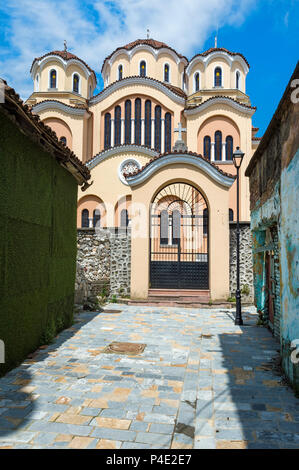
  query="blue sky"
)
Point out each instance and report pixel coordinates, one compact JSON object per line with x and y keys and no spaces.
{"x":265,"y":31}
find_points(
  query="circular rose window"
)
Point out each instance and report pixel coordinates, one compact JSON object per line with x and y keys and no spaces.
{"x":128,"y":167}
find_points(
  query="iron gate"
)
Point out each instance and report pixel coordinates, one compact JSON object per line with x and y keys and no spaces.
{"x":179,"y":242}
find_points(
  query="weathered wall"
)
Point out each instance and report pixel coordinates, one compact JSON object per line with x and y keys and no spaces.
{"x":246,"y":273}
{"x":274,"y":195}
{"x":103,"y":262}
{"x":37,"y":244}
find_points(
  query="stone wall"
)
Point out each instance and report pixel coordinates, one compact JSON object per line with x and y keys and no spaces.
{"x":103,"y":263}
{"x":246,"y":274}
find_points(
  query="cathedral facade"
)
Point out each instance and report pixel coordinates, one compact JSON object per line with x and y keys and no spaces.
{"x":158,"y":141}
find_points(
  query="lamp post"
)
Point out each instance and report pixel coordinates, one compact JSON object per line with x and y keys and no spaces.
{"x":237,"y":159}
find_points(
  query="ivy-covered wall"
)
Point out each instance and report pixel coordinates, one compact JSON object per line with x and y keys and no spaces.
{"x":38,"y":200}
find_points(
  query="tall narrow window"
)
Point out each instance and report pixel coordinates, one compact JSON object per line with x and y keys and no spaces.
{"x":142,"y":68}
{"x":124,"y":218}
{"x":53,"y":79}
{"x":117,"y":125}
{"x":107,"y":131}
{"x":76,"y":80}
{"x":63,"y":140}
{"x":120,"y":72}
{"x":128,"y":122}
{"x":196,"y":82}
{"x":158,"y":128}
{"x":96,"y":220}
{"x":85,"y":218}
{"x":205,"y":221}
{"x":37,"y":83}
{"x":166,"y":73}
{"x":218,"y":77}
{"x":230,"y":215}
{"x":164,"y":228}
{"x":148,"y":122}
{"x":229,"y":148}
{"x":176,"y":227}
{"x":167,"y":132}
{"x":238,"y":80}
{"x":218,"y":145}
{"x":138,"y":121}
{"x":207,"y":147}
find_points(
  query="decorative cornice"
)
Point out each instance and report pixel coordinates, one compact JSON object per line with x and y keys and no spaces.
{"x":136,"y":80}
{"x":58,"y":105}
{"x":246,"y":109}
{"x":189,"y":158}
{"x":100,"y":157}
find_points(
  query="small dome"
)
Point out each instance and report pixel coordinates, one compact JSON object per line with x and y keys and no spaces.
{"x":65,"y":55}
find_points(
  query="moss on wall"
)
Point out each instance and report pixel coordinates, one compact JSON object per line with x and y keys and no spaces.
{"x":37,"y":244}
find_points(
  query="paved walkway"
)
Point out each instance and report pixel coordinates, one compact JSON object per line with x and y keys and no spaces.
{"x":201,"y":382}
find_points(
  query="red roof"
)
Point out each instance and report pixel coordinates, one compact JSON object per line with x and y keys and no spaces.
{"x":220,"y":49}
{"x":65,"y":55}
{"x":148,"y":42}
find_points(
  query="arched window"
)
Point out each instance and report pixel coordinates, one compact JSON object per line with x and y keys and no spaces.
{"x":63,"y":140}
{"x":207,"y":147}
{"x":124,"y":218}
{"x":205,"y":221}
{"x":148,"y":122}
{"x":142,"y":68}
{"x":107,"y":131}
{"x":230,"y":215}
{"x":37,"y":83}
{"x":167,"y":132}
{"x":96,"y":220}
{"x":218,"y":145}
{"x":53,"y":79}
{"x":117,"y":125}
{"x":229,"y":148}
{"x":76,"y":80}
{"x":218,"y":77}
{"x":90,"y":91}
{"x":164,"y":226}
{"x":196,"y":81}
{"x":237,"y":79}
{"x":128,"y":122}
{"x":158,"y":128}
{"x":120,"y":72}
{"x":166,"y":73}
{"x":85,"y":218}
{"x":138,"y":121}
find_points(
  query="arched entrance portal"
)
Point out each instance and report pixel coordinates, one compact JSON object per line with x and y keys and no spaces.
{"x":179,"y":240}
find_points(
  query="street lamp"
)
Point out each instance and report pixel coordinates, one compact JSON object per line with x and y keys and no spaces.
{"x":237,"y":159}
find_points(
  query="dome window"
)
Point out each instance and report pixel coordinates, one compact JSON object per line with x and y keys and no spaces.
{"x":218,"y":77}
{"x":142,"y":68}
{"x":120,"y":72}
{"x":238,"y":80}
{"x":53,"y":79}
{"x":166,"y":73}
{"x":63,"y":140}
{"x":76,"y":81}
{"x":196,"y":82}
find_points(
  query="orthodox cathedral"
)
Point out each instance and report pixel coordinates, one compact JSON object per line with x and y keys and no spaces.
{"x":158,"y":141}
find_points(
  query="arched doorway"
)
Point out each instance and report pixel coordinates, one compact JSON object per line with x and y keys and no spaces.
{"x":179,"y":240}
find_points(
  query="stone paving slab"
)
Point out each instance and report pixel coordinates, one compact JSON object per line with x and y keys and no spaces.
{"x":200,"y":383}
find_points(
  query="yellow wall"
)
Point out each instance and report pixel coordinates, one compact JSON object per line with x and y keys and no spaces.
{"x":217,"y":199}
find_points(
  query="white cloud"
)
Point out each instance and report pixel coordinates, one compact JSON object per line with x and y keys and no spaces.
{"x":93,"y":29}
